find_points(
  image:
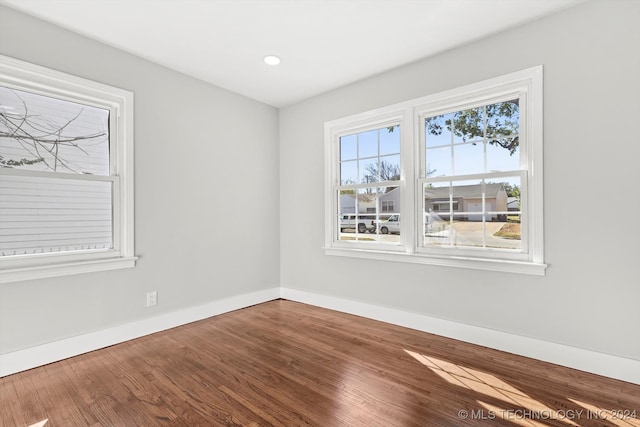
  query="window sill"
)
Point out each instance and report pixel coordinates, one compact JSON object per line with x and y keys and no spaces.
{"x":520,"y":267}
{"x":65,"y":269}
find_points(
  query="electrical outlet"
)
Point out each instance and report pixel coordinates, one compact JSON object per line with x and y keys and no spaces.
{"x":152,"y":298}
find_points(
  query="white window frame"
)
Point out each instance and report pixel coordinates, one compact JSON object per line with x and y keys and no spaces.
{"x":332,"y":164}
{"x":22,"y":75}
{"x":527,"y":85}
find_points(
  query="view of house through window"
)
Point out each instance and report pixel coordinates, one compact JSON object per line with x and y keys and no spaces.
{"x":472,"y":181}
{"x":468,"y":191}
{"x":59,"y":194}
{"x":369,"y":176}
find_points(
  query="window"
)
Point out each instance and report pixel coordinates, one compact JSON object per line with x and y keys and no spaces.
{"x":466,"y":179}
{"x":66,"y":170}
{"x":367,"y":173}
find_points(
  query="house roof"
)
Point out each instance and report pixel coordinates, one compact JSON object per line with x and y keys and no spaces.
{"x":464,"y":191}
{"x":368,"y":197}
{"x":363,"y":197}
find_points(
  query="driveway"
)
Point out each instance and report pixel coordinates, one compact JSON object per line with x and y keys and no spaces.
{"x":469,"y":233}
{"x":465,"y":233}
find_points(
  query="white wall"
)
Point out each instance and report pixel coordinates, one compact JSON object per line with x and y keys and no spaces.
{"x":589,"y":297}
{"x":198,"y":151}
{"x":196,"y":231}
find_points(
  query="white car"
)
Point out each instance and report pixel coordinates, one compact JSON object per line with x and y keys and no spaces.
{"x":349,"y":222}
{"x":392,"y":225}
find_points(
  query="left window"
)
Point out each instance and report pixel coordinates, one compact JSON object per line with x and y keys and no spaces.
{"x":66,"y":174}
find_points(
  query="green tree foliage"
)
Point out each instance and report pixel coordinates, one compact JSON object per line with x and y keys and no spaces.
{"x":512,"y":190}
{"x":497,"y":122}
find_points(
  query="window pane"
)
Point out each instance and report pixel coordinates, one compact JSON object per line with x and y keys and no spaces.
{"x":503,"y":130}
{"x":357,"y":211}
{"x":501,"y":159}
{"x":47,"y":134}
{"x":379,"y":169}
{"x":468,"y":159}
{"x":376,"y":157}
{"x":359,"y":216}
{"x":348,"y":173}
{"x":44,"y":215}
{"x":438,"y":130}
{"x":368,"y":170}
{"x":471,"y":213}
{"x":368,"y":144}
{"x":438,"y":161}
{"x":506,"y":234}
{"x":503,"y":119}
{"x":469,"y":125}
{"x":437,"y":198}
{"x":390,"y":140}
{"x":389,"y":168}
{"x":348,"y":147}
{"x":506,"y":193}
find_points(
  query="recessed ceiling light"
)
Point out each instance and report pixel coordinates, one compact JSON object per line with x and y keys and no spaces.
{"x":271,"y":60}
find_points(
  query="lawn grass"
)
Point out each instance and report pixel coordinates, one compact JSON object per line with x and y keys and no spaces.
{"x":510,"y":230}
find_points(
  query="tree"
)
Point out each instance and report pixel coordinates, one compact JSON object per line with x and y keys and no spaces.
{"x":17,"y":163}
{"x":512,"y":190}
{"x":40,"y":137}
{"x":501,"y":124}
{"x":385,"y":171}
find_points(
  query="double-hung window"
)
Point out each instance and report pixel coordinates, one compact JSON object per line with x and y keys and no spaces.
{"x":465,"y":190}
{"x":66,"y":174}
{"x":366,"y":166}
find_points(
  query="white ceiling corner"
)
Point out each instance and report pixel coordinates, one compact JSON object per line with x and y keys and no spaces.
{"x":323,"y":44}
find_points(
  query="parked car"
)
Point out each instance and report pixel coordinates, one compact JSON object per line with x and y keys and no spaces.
{"x":363,"y":223}
{"x":392,"y":225}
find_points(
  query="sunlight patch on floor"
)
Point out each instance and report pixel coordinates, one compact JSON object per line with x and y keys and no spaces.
{"x":490,"y":385}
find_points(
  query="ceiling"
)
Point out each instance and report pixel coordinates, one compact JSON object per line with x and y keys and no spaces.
{"x":323,"y":44}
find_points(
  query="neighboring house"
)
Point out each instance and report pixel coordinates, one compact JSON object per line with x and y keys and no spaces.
{"x":390,"y":202}
{"x":386,"y":203}
{"x":513,"y":204}
{"x":366,"y":203}
{"x":468,"y":199}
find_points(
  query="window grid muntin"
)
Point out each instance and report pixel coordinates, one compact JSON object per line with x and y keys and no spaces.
{"x":358,"y":159}
{"x":379,"y":126}
{"x":378,"y":215}
{"x":525,"y":84}
{"x":424,"y":115}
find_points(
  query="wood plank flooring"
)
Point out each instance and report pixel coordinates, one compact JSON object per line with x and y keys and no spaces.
{"x":288,"y":364}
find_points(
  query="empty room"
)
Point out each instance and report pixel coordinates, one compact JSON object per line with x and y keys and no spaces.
{"x":319,"y":213}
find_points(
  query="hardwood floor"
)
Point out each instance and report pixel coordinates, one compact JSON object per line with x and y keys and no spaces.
{"x":288,"y":364}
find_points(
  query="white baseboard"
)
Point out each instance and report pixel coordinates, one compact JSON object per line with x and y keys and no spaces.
{"x":585,"y":360}
{"x":21,"y":360}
